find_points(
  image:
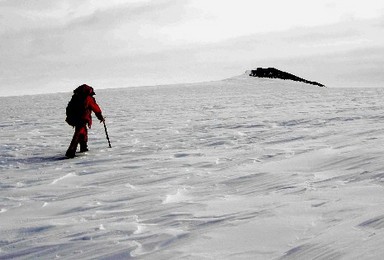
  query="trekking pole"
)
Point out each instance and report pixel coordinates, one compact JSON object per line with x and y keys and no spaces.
{"x":106,"y":133}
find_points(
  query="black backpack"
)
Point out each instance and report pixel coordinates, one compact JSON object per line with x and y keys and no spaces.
{"x":75,"y":110}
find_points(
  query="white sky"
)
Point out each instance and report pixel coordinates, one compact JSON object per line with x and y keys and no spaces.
{"x":50,"y":46}
{"x":218,"y":20}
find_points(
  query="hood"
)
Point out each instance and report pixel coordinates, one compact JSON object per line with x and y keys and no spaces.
{"x":84,"y":90}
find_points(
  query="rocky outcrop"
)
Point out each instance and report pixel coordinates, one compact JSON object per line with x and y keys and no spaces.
{"x":278,"y":74}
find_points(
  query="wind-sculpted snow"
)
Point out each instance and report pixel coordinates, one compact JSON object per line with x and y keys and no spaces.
{"x":236,"y":169}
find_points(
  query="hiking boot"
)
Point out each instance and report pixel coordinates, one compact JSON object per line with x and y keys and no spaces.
{"x":70,"y":154}
{"x":83,"y":147}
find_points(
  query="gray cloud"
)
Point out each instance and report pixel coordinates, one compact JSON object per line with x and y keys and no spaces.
{"x":34,"y":55}
{"x":123,"y":46}
{"x":30,"y":5}
{"x":150,"y":14}
{"x":98,"y":32}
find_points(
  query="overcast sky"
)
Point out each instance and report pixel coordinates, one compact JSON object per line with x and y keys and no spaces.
{"x":56,"y":45}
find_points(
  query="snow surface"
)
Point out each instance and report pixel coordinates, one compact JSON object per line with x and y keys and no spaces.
{"x":244,"y":168}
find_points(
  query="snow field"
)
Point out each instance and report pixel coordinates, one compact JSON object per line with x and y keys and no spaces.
{"x":236,"y":169}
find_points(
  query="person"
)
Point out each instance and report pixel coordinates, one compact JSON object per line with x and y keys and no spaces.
{"x":84,"y":104}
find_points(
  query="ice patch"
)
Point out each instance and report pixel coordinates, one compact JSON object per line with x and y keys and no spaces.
{"x":20,"y":184}
{"x":100,"y":228}
{"x":139,"y":249}
{"x":95,"y":203}
{"x":71,"y":174}
{"x":141,"y":228}
{"x":128,"y":185}
{"x":179,"y":196}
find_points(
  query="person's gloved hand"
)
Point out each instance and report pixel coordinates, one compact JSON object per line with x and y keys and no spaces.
{"x":100,"y":117}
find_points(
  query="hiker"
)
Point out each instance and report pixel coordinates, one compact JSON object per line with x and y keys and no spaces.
{"x":79,"y":111}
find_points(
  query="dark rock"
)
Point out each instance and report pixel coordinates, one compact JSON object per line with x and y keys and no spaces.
{"x":278,"y":74}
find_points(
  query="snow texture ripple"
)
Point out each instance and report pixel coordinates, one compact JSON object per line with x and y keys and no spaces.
{"x":236,"y":169}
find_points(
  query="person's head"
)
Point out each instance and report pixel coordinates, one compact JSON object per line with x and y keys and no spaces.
{"x":84,"y":90}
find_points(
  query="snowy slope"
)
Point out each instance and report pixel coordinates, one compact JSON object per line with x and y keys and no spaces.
{"x":244,"y":168}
